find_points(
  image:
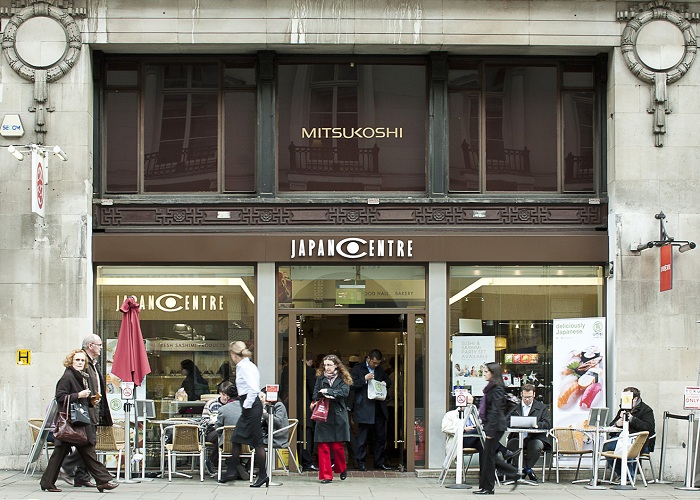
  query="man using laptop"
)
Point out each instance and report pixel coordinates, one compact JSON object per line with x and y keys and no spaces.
{"x":533,"y":444}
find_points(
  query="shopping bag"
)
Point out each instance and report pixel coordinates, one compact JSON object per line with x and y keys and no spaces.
{"x":320,"y":413}
{"x":376,"y":390}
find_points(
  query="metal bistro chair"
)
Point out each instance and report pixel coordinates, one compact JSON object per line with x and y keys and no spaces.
{"x":225,"y":446}
{"x":566,"y":444}
{"x":186,"y":442}
{"x":291,"y":428}
{"x":646,"y":457}
{"x":35,"y":426}
{"x":109,"y":441}
{"x":637,"y":441}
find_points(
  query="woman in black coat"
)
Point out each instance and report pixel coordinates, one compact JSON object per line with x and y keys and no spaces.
{"x":494,"y":422}
{"x":333,"y":383}
{"x":73,"y":387}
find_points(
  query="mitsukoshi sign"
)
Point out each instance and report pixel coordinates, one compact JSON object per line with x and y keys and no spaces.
{"x":351,"y":248}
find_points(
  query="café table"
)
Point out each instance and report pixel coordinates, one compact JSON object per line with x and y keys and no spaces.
{"x":596,"y":433}
{"x":521,"y":440}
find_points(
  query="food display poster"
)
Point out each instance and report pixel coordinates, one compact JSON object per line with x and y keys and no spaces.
{"x":469,"y":357}
{"x":578,"y":367}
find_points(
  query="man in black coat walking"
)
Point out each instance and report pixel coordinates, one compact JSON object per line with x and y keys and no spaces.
{"x":533,"y":444}
{"x":370,"y":413}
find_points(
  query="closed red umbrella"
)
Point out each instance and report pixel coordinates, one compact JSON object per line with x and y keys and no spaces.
{"x":130,"y":359}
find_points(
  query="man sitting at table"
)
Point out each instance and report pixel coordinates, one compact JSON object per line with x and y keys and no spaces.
{"x":533,"y":444}
{"x":640,"y":418}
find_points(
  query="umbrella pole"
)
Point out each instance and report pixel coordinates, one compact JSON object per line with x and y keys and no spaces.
{"x":127,"y":448}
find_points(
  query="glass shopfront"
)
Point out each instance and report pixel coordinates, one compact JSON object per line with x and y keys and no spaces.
{"x":512,"y":310}
{"x":187,"y":313}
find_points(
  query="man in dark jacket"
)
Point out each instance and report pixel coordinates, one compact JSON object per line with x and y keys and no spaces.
{"x":370,"y":413}
{"x":640,"y":418}
{"x":74,"y":470}
{"x":533,"y":444}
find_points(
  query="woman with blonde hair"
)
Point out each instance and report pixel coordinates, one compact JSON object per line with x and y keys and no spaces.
{"x":333,"y":383}
{"x":73,"y":387}
{"x":249,"y":428}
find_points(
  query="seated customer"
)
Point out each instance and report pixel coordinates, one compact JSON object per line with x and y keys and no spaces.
{"x":640,"y":418}
{"x":228,"y":415}
{"x":533,"y":444}
{"x":279,"y":420}
{"x":210,"y":413}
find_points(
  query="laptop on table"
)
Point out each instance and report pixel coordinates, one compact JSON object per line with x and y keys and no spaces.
{"x":518,"y":422}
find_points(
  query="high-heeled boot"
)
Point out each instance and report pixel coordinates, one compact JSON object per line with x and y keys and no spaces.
{"x":260,"y":481}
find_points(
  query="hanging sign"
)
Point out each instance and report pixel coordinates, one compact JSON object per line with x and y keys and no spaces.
{"x":666,"y":268}
{"x":127,"y":390}
{"x":39,"y":167}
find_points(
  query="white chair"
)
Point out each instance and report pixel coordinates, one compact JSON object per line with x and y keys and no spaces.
{"x":291,"y":429}
{"x":186,"y":442}
{"x":636,"y":443}
{"x":646,"y":457}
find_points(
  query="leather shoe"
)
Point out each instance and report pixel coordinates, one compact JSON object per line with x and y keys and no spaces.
{"x":87,"y":484}
{"x":532,"y":476}
{"x":344,"y":475}
{"x":242,"y":473}
{"x":383,"y":467}
{"x":483,"y":492}
{"x":227,"y":476}
{"x":107,"y":486}
{"x":65,"y":478}
{"x":52,"y":489}
{"x":325,"y":481}
{"x":309,"y":468}
{"x":361,"y":468}
{"x":511,"y":454}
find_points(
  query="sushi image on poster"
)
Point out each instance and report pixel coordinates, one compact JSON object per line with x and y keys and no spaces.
{"x":578,"y":367}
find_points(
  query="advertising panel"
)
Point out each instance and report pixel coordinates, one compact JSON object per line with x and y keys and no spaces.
{"x":469,"y":357}
{"x":579,"y":361}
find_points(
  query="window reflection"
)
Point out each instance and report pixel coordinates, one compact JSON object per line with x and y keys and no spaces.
{"x":347,"y":127}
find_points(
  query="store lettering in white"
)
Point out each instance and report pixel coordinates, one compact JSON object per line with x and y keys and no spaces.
{"x":351,"y":248}
{"x":173,"y":302}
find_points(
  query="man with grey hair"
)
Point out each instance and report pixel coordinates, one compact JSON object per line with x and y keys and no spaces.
{"x":99,"y":413}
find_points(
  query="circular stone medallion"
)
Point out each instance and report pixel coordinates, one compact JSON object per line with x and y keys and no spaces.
{"x":660,"y":45}
{"x":41,"y":42}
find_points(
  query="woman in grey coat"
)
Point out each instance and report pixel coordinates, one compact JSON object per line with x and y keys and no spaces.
{"x":333,"y":383}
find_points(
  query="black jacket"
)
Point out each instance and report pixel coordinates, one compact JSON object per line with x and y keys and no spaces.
{"x":99,"y":414}
{"x":641,"y":419}
{"x":67,"y":388}
{"x":495,"y":420}
{"x":337,"y":428}
{"x":363,"y":407}
{"x":539,"y":410}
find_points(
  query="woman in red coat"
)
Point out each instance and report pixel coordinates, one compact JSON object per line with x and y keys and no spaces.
{"x":73,"y":385}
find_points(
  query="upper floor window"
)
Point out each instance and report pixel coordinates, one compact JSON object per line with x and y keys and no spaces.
{"x":351,"y":127}
{"x":179,"y":127}
{"x":521,"y":127}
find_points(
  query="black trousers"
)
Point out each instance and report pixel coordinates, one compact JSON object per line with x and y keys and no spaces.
{"x":379,"y":427}
{"x":306,"y":454}
{"x":87,"y":453}
{"x":489,"y":461}
{"x":74,"y":466}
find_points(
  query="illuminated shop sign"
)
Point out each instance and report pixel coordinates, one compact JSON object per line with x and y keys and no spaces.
{"x":351,"y":248}
{"x":352,"y":133}
{"x":174,"y":302}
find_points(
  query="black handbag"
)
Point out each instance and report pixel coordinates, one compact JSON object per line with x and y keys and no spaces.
{"x":79,"y":414}
{"x":66,"y":432}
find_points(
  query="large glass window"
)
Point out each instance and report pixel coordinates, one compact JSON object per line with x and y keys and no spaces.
{"x":351,"y":127}
{"x":508,"y":122}
{"x":187,"y":313}
{"x":513,"y":309}
{"x":165,"y":124}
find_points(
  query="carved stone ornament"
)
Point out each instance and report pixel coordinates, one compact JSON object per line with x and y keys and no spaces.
{"x":659,"y":46}
{"x":52,"y":63}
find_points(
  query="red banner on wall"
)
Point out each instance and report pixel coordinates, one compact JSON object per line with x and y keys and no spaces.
{"x":666,"y":268}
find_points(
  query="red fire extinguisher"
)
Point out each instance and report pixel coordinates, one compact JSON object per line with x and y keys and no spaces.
{"x":419,"y":449}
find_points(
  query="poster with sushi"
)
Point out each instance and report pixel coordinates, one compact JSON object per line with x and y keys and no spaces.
{"x":578,"y":361}
{"x":469,"y":357}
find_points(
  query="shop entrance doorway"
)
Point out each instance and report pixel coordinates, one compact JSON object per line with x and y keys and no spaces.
{"x":351,"y":336}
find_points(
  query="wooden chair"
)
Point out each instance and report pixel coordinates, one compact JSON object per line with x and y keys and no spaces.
{"x":186,"y":442}
{"x":110,"y":440}
{"x":566,"y":442}
{"x":637,"y":441}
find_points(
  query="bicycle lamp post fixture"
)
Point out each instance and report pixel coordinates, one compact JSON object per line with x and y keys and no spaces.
{"x":664,"y":239}
{"x":40,"y":169}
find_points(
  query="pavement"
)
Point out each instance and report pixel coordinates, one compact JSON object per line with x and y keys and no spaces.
{"x":358,"y":486}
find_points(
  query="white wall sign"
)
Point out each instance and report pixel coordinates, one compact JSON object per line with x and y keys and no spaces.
{"x":691,"y":398}
{"x":11,"y":126}
{"x":469,"y":357}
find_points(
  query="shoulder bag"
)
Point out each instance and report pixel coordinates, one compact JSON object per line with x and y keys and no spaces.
{"x":79,"y":414}
{"x":66,"y":432}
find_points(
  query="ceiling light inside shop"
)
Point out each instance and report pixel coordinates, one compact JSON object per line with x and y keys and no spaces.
{"x":525,"y":281}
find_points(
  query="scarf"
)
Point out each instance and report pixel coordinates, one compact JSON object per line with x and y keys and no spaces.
{"x":482,"y":403}
{"x":331,"y":376}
